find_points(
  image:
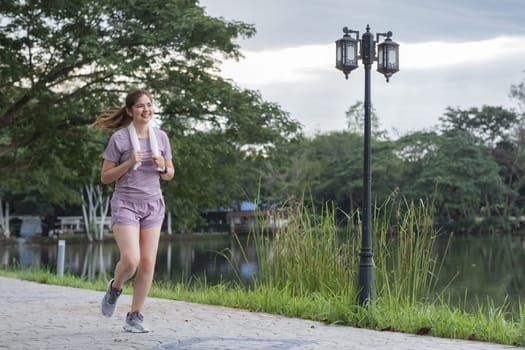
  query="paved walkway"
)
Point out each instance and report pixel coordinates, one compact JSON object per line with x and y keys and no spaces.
{"x":39,"y":316}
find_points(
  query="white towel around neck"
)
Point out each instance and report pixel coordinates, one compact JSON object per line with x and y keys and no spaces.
{"x":136,"y":144}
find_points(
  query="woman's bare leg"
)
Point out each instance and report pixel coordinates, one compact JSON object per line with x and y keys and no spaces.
{"x":128,"y":242}
{"x":149,"y":243}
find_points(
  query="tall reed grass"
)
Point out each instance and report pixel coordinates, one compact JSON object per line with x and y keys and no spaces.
{"x":311,"y":254}
{"x":314,"y":254}
{"x":407,"y":265}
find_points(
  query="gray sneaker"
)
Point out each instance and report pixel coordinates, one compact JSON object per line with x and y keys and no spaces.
{"x":135,"y":323}
{"x":109,"y":302}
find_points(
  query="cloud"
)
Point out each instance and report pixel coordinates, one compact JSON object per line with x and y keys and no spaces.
{"x":430,"y":55}
{"x":280,"y":66}
{"x":308,"y":63}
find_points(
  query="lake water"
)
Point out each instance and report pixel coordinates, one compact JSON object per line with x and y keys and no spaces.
{"x":220,"y":257}
{"x":490,"y":268}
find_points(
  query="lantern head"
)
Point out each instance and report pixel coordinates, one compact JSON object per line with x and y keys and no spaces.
{"x":388,"y":57}
{"x":347,"y":52}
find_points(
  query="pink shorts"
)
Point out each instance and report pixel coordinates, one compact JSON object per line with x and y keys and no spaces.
{"x":144,"y":214}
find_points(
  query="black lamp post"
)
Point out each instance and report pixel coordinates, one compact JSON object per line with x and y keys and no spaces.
{"x":388,"y":63}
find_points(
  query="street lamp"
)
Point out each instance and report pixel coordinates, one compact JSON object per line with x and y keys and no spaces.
{"x":388,"y":64}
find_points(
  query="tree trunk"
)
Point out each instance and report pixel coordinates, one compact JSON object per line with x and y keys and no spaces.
{"x":104,"y":206}
{"x":86,"y":222}
{"x":96,"y":201}
{"x":168,"y":223}
{"x":4,"y":219}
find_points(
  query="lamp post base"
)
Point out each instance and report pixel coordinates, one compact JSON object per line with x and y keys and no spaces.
{"x":365,"y":282}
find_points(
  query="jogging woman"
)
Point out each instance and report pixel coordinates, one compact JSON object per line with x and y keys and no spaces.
{"x":137,"y":156}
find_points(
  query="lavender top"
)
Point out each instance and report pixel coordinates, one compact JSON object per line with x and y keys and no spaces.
{"x":142,"y":184}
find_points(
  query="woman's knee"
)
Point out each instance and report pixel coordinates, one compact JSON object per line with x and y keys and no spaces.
{"x":147,"y":264}
{"x":130,"y":261}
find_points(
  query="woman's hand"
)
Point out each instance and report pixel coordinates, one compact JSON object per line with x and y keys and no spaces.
{"x":136,"y":157}
{"x":160,"y":162}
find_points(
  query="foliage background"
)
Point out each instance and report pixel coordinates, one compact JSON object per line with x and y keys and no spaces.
{"x":64,"y":62}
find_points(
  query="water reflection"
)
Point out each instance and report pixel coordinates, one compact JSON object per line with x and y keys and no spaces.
{"x":217,"y":258}
{"x":479,"y":269}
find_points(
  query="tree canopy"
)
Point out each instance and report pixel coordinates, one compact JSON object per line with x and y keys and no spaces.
{"x":64,"y":62}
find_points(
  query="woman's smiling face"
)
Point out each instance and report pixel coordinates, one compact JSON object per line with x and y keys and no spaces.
{"x":142,"y":109}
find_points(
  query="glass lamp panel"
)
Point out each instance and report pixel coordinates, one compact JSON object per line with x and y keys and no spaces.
{"x":380,"y":57}
{"x":350,"y":53}
{"x":392,"y":57}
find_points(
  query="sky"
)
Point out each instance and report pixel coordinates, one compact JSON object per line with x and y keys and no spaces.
{"x":453,"y":53}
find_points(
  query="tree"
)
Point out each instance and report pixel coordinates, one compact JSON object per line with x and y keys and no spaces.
{"x":340,"y":158}
{"x":499,"y":129}
{"x":355,"y":120}
{"x":329,"y":168}
{"x":288,"y":172}
{"x":460,"y":175}
{"x":518,"y":92}
{"x":413,"y":151}
{"x":510,"y":154}
{"x":63,"y":62}
{"x":490,"y":124}
{"x":96,"y":201}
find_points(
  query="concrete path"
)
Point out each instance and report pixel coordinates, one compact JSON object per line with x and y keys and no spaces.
{"x":39,"y":316}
